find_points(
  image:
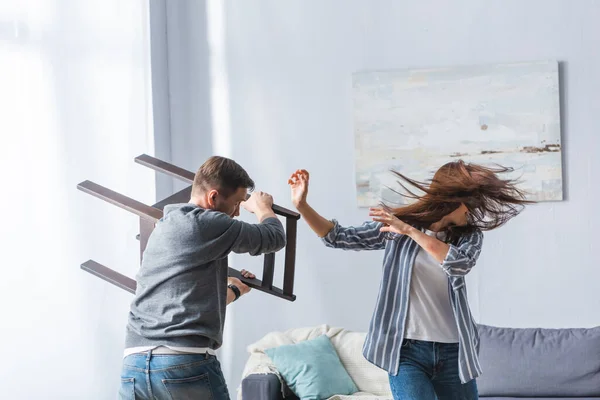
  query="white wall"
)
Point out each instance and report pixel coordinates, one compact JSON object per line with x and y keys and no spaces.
{"x":75,"y":104}
{"x":273,"y":79}
{"x":287,"y":68}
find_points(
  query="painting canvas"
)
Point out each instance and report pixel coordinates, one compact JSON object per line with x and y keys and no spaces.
{"x":416,"y":120}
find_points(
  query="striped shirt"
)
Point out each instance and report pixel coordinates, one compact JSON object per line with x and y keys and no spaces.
{"x":386,"y":331}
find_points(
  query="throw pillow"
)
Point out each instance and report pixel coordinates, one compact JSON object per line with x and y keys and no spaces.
{"x":312,"y":369}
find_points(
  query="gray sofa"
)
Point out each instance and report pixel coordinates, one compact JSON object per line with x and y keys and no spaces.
{"x":540,"y":364}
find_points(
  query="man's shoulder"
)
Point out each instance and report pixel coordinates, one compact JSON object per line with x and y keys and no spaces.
{"x":199,"y":214}
{"x":181,"y":208}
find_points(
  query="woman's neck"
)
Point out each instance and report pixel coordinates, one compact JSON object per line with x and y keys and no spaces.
{"x":457,"y":218}
{"x":438,"y":226}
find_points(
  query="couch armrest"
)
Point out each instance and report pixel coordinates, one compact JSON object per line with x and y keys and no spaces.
{"x":264,"y":387}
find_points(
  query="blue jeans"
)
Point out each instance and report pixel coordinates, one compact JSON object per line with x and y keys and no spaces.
{"x":172,"y":377}
{"x":429,"y":369}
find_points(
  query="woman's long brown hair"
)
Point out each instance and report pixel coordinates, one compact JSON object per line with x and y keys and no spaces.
{"x":491,"y":201}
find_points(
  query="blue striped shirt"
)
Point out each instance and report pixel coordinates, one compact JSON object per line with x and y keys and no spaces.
{"x":386,"y":331}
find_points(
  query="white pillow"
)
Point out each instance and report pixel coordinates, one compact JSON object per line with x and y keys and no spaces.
{"x":367,"y":377}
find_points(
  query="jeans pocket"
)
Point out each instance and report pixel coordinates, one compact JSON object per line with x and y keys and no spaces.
{"x":193,"y":387}
{"x":127,"y":389}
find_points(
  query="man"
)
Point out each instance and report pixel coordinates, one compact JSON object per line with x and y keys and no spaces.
{"x":177,"y":317}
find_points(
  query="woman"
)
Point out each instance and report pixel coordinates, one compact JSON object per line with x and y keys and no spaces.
{"x":422,"y":332}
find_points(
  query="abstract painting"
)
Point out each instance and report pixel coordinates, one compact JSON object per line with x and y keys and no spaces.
{"x":416,"y":120}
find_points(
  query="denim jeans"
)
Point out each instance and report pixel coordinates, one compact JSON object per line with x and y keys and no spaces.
{"x":172,"y":377}
{"x":429,"y":369}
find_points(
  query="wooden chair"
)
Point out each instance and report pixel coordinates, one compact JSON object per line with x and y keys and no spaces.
{"x":149,"y":215}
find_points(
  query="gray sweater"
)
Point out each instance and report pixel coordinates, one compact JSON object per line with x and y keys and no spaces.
{"x":181,"y":291}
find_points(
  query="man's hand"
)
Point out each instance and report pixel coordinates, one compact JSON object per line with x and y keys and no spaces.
{"x":261,"y":204}
{"x":239,"y":284}
{"x":258,"y":201}
{"x":247,"y":274}
{"x":244,"y":289}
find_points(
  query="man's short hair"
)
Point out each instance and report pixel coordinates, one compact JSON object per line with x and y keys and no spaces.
{"x":222,"y":174}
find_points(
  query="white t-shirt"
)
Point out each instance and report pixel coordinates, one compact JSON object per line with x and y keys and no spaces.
{"x":430,"y":317}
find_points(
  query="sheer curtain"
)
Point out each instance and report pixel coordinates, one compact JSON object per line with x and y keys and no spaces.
{"x":75,"y":104}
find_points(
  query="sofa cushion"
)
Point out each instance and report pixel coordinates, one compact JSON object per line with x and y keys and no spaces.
{"x":312,"y":369}
{"x":539,"y":362}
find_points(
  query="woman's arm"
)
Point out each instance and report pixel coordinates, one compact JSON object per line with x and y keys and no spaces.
{"x":455,"y":260}
{"x":320,"y":225}
{"x":365,"y":237}
{"x":435,"y":247}
{"x":462,"y":258}
{"x":432,"y":245}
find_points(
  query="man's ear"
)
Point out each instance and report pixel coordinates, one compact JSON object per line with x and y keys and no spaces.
{"x":211,"y":198}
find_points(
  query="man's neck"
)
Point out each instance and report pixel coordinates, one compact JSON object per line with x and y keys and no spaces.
{"x":200,"y":202}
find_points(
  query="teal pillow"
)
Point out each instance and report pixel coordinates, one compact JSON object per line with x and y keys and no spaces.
{"x":312,"y":369}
